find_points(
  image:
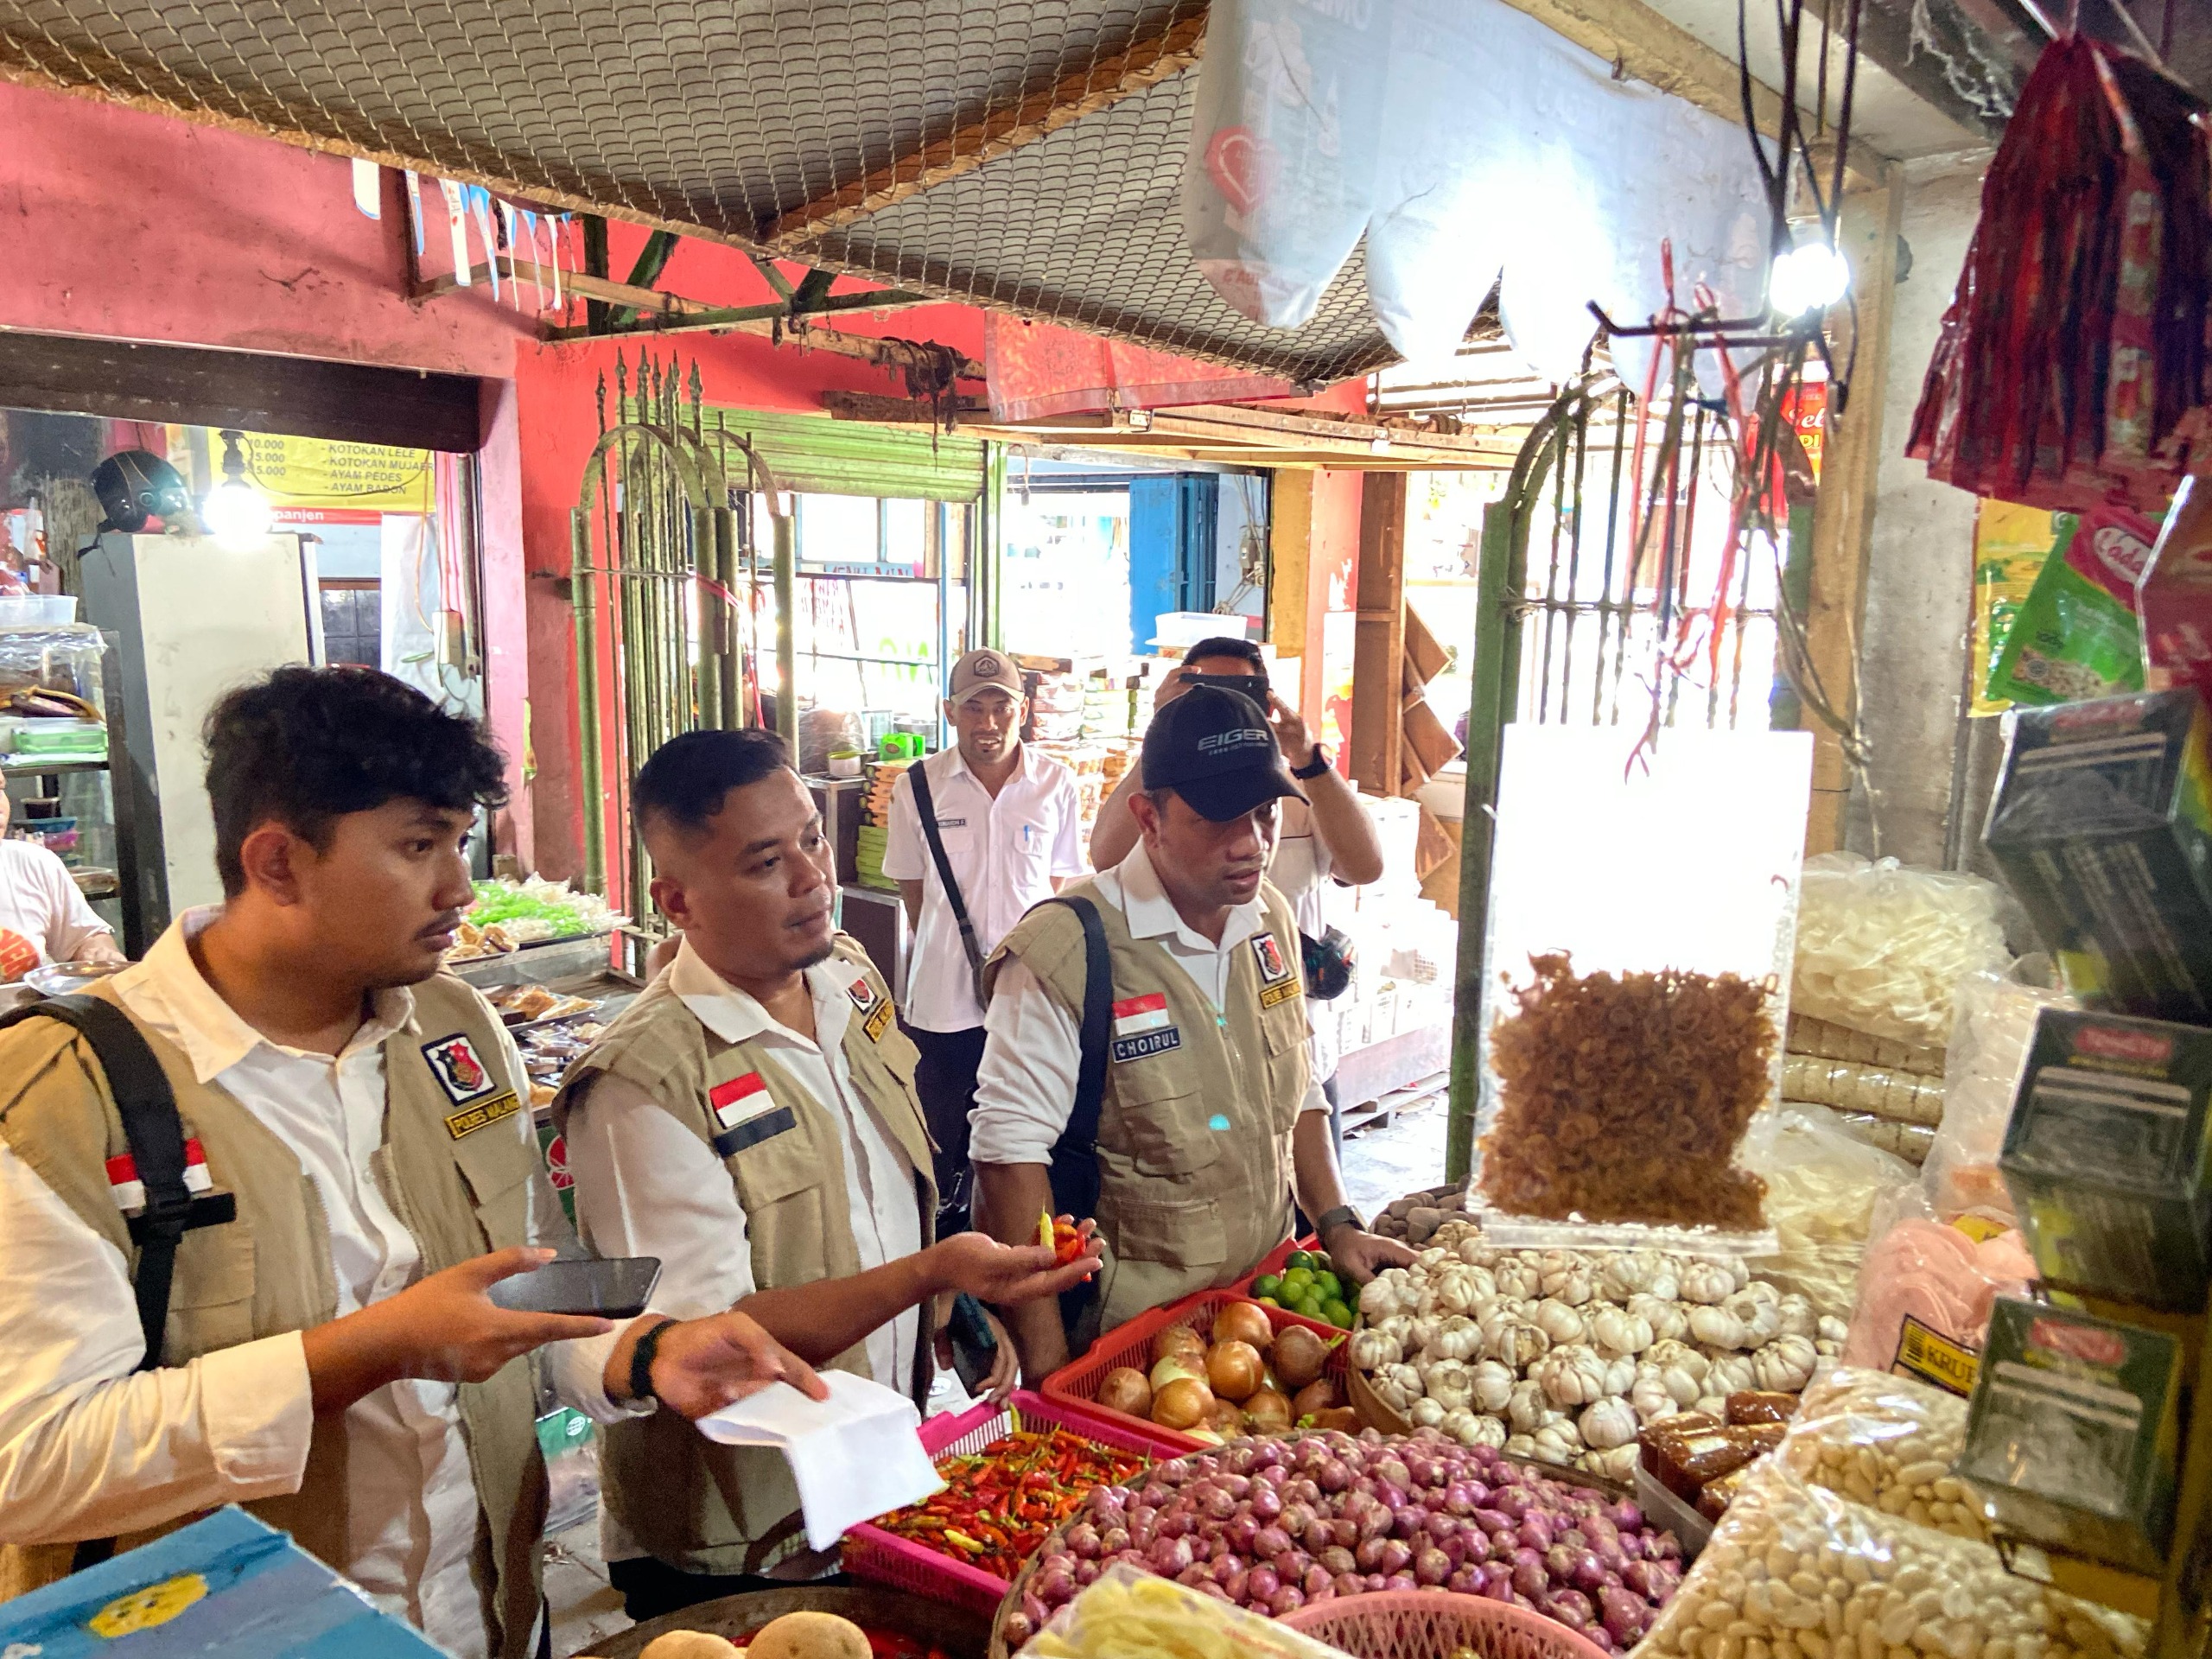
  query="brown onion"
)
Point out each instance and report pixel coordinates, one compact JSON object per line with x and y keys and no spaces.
{"x":1243,"y":1322}
{"x":1300,"y":1356}
{"x":1126,"y":1389}
{"x":1182,"y":1404}
{"x":1233,"y":1370}
{"x":1178,"y":1340}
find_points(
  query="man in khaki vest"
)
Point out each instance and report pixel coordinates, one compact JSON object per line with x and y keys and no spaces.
{"x":751,"y":1119}
{"x":1211,"y":1118}
{"x":330,"y":1359}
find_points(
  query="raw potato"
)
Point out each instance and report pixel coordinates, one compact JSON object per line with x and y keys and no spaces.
{"x":1794,"y":1571}
{"x":809,"y":1636}
{"x":690,"y":1644}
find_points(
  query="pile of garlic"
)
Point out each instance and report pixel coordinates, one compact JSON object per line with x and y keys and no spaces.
{"x":1564,"y":1355}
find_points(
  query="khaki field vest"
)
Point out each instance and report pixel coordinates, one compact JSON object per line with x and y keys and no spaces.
{"x":715,"y":1508}
{"x":1194,"y":1159}
{"x":457,"y":1172}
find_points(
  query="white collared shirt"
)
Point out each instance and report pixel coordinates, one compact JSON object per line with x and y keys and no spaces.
{"x":646,"y":1185}
{"x":39,"y":899}
{"x":1005,"y":852}
{"x":1025,"y":1089}
{"x":90,"y":1448}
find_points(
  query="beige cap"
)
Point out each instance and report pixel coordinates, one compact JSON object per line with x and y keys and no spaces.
{"x":981,"y":671}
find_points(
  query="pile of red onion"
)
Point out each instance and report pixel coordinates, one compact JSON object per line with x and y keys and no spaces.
{"x":1274,"y":1525}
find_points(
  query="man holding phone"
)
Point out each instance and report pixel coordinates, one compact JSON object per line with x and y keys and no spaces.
{"x":752,"y":1121}
{"x":364,"y":1177}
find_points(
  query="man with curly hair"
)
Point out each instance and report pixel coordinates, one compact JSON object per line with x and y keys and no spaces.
{"x":331,"y":1357}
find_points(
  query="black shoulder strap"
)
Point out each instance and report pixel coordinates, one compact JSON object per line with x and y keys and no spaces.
{"x":1075,"y":1154}
{"x":926,"y":806}
{"x":155,"y":1133}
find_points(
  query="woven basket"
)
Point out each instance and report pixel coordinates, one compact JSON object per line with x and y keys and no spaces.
{"x":1432,"y":1625}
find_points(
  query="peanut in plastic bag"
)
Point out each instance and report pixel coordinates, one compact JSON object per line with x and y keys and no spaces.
{"x":1806,"y":1571}
{"x":1888,"y":1442}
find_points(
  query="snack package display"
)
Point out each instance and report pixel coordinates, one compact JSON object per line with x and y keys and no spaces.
{"x":2102,"y":825}
{"x":1822,"y":1184}
{"x":2174,"y":597}
{"x":1880,"y":948}
{"x":1924,"y":1296}
{"x":1795,"y":1566}
{"x":1126,"y":1612}
{"x":2074,"y":1432}
{"x":2012,"y":544}
{"x":2075,"y":635}
{"x":2106,"y":1159}
{"x":1995,"y":1022}
{"x":1889,"y":1442}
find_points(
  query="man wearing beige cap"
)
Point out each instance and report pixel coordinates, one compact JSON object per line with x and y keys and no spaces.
{"x":1006,"y":835}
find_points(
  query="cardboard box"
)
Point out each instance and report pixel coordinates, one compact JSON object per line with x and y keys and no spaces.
{"x":2106,"y":1160}
{"x":2102,"y":826}
{"x":2174,"y":597}
{"x":2074,"y":1432}
{"x":228,"y":1584}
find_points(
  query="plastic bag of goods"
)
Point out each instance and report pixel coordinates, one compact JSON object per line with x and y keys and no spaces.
{"x":1889,"y":1442}
{"x":1807,"y":1573}
{"x":1881,"y":948}
{"x":1822,"y":1184}
{"x":1624,"y":1098}
{"x":1996,"y":1021}
{"x":1127,"y":1610}
{"x":1925,"y":1293}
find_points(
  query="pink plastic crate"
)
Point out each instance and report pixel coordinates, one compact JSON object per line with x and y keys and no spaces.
{"x":871,"y":1552}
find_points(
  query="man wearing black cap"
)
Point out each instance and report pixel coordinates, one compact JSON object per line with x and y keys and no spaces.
{"x":1211,"y":1120}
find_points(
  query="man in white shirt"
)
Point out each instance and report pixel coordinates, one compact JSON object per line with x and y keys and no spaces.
{"x":41,"y":906}
{"x":331,"y":1357}
{"x":751,"y":1120}
{"x":1008,"y":821}
{"x":1327,"y":837}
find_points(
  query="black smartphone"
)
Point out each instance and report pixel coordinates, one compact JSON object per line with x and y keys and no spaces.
{"x":613,"y":1288}
{"x":1254,"y":686}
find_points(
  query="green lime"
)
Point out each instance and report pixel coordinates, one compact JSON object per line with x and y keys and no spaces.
{"x":1337,"y":1314}
{"x":1266,"y":1286}
{"x":1302,"y":1259}
{"x":1330,"y":1286}
{"x":1310,"y":1304}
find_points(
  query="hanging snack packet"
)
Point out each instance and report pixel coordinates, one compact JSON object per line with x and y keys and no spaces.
{"x":2075,"y":636}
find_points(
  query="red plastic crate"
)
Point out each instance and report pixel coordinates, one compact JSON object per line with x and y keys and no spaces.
{"x":871,"y":1552}
{"x":1075,"y":1386}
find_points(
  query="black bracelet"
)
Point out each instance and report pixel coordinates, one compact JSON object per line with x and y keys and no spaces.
{"x":641,"y":1363}
{"x":1319,"y":764}
{"x":1333,"y":1219}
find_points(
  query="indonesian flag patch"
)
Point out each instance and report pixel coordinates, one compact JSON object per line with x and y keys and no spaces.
{"x":1140,"y":1014}
{"x":130,"y":1192}
{"x":739,"y":1098}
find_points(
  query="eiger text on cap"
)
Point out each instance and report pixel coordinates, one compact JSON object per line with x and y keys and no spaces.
{"x":1211,"y":747}
{"x":981,"y":670}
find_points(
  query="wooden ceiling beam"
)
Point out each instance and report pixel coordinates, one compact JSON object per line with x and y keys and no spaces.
{"x":1142,"y":64}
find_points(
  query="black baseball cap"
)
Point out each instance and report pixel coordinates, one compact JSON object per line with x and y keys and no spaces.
{"x":1211,"y":747}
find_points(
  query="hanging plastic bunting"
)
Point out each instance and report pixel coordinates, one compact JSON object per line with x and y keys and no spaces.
{"x":1464,"y":140}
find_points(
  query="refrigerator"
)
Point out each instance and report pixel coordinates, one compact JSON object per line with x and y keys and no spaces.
{"x":192,"y":618}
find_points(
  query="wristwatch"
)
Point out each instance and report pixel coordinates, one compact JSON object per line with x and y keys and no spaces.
{"x":1316,"y":767}
{"x":1332,"y":1219}
{"x":641,"y":1363}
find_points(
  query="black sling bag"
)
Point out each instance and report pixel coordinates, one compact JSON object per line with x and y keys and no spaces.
{"x":927,"y":807}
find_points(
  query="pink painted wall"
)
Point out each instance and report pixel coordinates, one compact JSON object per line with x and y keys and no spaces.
{"x":1331,"y":581}
{"x":131,"y":226}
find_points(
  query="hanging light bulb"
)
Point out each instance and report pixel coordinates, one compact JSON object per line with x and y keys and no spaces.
{"x":235,"y":512}
{"x":1809,"y":277}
